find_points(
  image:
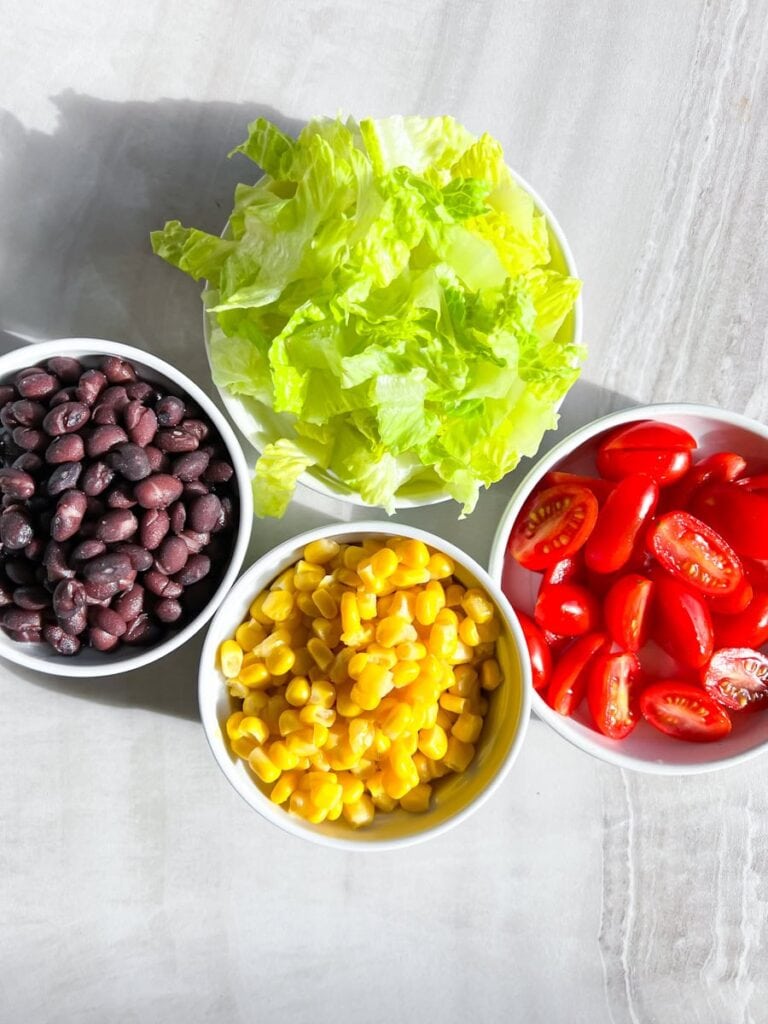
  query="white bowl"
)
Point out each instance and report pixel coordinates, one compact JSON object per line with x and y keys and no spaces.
{"x":645,"y":749}
{"x":89,"y":662}
{"x":455,"y":796}
{"x":246,"y":415}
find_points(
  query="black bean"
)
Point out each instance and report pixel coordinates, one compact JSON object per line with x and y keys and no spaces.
{"x":104,"y":416}
{"x":197,"y":428}
{"x":6,"y":594}
{"x":115,"y":566}
{"x":141,"y":632}
{"x":66,"y":418}
{"x":108,"y":620}
{"x":101,"y":593}
{"x":103,"y":438}
{"x":117,"y":525}
{"x":7,"y":394}
{"x":28,"y":413}
{"x":130,"y":460}
{"x":121,"y":496}
{"x":15,"y":530}
{"x":35,"y":550}
{"x":38,"y":385}
{"x":62,"y":642}
{"x":140,"y":558}
{"x":142,"y":391}
{"x":130,"y":604}
{"x":88,"y":549}
{"x":190,"y":466}
{"x":174,"y":440}
{"x":97,"y":478}
{"x":158,"y":461}
{"x":171,"y":556}
{"x":101,"y":640}
{"x":170,"y":411}
{"x":158,"y":491}
{"x":7,"y":418}
{"x":178,"y":516}
{"x":74,"y":624}
{"x":168,"y":610}
{"x":227,"y":516}
{"x":218,"y":472}
{"x":19,"y":619}
{"x":68,"y":517}
{"x":64,"y":477}
{"x":55,"y":562}
{"x":68,"y":370}
{"x":90,"y":386}
{"x":68,"y":598}
{"x":16,"y":483}
{"x":195,"y":541}
{"x":66,"y":448}
{"x":162,"y":586}
{"x":204,"y":513}
{"x":32,"y":598}
{"x":20,"y":571}
{"x":65,"y":395}
{"x":141,"y":426}
{"x":29,"y":438}
{"x":28,"y":461}
{"x":196,"y":569}
{"x":117,"y":370}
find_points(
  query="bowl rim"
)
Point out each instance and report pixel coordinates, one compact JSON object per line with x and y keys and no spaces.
{"x":565,"y":447}
{"x":28,"y":355}
{"x":322,"y":485}
{"x":251,"y":794}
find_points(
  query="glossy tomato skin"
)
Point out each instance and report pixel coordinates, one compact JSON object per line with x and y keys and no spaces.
{"x":610,"y":693}
{"x":599,"y":487}
{"x":737,"y":514}
{"x":538,"y":652}
{"x":650,"y":434}
{"x":569,"y":676}
{"x":684,"y":711}
{"x":612,"y":541}
{"x":663,"y":465}
{"x":689,"y":549}
{"x":746,"y":629}
{"x":626,"y":610}
{"x":756,"y":572}
{"x":737,"y":678}
{"x":555,"y":643}
{"x":553,"y":524}
{"x":681,"y":623}
{"x":568,"y":570}
{"x":758,"y":482}
{"x":733,"y":603}
{"x":567,"y":609}
{"x":722,"y":467}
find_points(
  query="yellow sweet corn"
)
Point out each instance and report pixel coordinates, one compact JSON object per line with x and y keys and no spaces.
{"x":230,"y":658}
{"x":417,"y":800}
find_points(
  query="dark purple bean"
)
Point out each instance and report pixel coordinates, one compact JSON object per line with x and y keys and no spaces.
{"x":204,"y":513}
{"x":140,"y":558}
{"x":171,"y":556}
{"x":26,"y":372}
{"x":35,"y":550}
{"x":197,"y":428}
{"x":155,"y":524}
{"x":38,"y":385}
{"x":158,"y":491}
{"x":117,"y":525}
{"x":141,"y":632}
{"x":103,"y":438}
{"x":121,"y":496}
{"x":66,"y":448}
{"x":28,"y":461}
{"x":142,"y":391}
{"x":178,"y":516}
{"x":190,"y":466}
{"x":142,"y":430}
{"x":55,"y":562}
{"x":64,"y":477}
{"x":108,"y":620}
{"x":67,"y":369}
{"x":104,"y":416}
{"x":15,"y":530}
{"x":170,"y":411}
{"x":66,"y":418}
{"x":32,"y":598}
{"x":168,"y":610}
{"x":218,"y":472}
{"x":7,"y":394}
{"x":176,"y":440}
{"x":7,"y":418}
{"x":115,"y":397}
{"x":101,"y":640}
{"x":68,"y":598}
{"x":90,"y":386}
{"x":115,"y":566}
{"x":88,"y":549}
{"x":196,"y":569}
{"x":158,"y":461}
{"x":195,"y":541}
{"x":76,"y":623}
{"x":227,"y":517}
{"x":28,"y":413}
{"x":20,"y":571}
{"x":101,"y":593}
{"x":6,"y":594}
{"x":65,"y":395}
{"x":130,"y":461}
{"x":62,"y":642}
{"x":195,"y":488}
{"x":117,"y":370}
{"x":97,"y":478}
{"x":70,"y":510}
{"x":29,"y":438}
{"x":130,"y":604}
{"x":16,"y":483}
{"x":18,"y":619}
{"x":162,"y":586}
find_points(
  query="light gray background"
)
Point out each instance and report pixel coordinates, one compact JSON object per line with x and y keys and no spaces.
{"x":134,"y":884}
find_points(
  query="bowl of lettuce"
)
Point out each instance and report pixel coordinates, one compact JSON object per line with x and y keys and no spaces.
{"x":392,"y":315}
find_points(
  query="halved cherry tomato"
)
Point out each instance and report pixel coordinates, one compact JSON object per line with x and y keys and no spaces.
{"x":568,"y":570}
{"x":733,"y":603}
{"x":612,"y":679}
{"x":538,"y":652}
{"x":599,"y":487}
{"x":569,"y":676}
{"x":650,"y":434}
{"x":626,"y":608}
{"x":612,"y":541}
{"x":552,"y":525}
{"x":756,"y":572}
{"x":740,"y":516}
{"x":684,"y":711}
{"x":566,"y":609}
{"x":555,"y":642}
{"x":757,"y":483}
{"x":722,"y":467}
{"x":747,"y":629}
{"x":665,"y":466}
{"x":689,"y":549}
{"x":737,"y":678}
{"x":681,"y":623}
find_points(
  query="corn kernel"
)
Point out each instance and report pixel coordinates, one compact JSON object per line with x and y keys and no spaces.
{"x":233,"y":724}
{"x":447,"y":616}
{"x":352,"y":789}
{"x":384,"y":562}
{"x":254,"y":703}
{"x":350,"y":619}
{"x":284,"y":581}
{"x":320,"y":761}
{"x":427,"y":607}
{"x":231,"y":658}
{"x":443,"y":638}
{"x":243,"y":746}
{"x":489,"y":632}
{"x":405,"y":672}
{"x":339,"y":671}
{"x":327,"y":794}
{"x":450,"y":702}
{"x":417,"y":799}
{"x":256,"y":612}
{"x":454,"y":595}
{"x":430,"y":715}
{"x":423,"y":766}
{"x":320,"y":734}
{"x":343,"y":758}
{"x":413,"y":553}
{"x":321,"y":551}
{"x":301,"y":742}
{"x":405,"y":577}
{"x":312,"y":714}
{"x":297,"y":691}
{"x":477,"y":605}
{"x":248,"y":634}
{"x":306,"y":605}
{"x":262,"y":764}
{"x":345,"y":705}
{"x":322,"y":692}
{"x":381,"y":655}
{"x":321,"y":654}
{"x":256,"y":675}
{"x":366,"y":604}
{"x":325,"y":602}
{"x":278,"y":605}
{"x":359,"y":813}
{"x":254,"y":727}
{"x":467,"y":727}
{"x":284,"y":787}
{"x":440,"y":566}
{"x":281,"y":756}
{"x":289,"y":721}
{"x":299,"y":803}
{"x":402,"y":604}
{"x":335,"y":812}
{"x":396,"y":787}
{"x":397,"y":721}
{"x":433,"y":742}
{"x":362,"y":734}
{"x":490,"y":674}
{"x":411,"y":651}
{"x":458,"y":755}
{"x":269,"y":643}
{"x":238,"y":689}
{"x":280,"y":660}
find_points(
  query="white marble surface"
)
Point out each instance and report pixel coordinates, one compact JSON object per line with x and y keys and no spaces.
{"x":134,"y":885}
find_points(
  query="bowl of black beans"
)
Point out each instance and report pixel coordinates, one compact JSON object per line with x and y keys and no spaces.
{"x":125,"y":507}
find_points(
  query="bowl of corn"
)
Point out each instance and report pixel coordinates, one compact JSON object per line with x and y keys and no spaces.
{"x":365,"y":685}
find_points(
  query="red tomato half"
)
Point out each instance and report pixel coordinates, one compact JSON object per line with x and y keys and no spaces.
{"x":612,"y":541}
{"x":553,"y":524}
{"x":747,"y":629}
{"x":737,"y":678}
{"x":566,"y":571}
{"x":681,"y":623}
{"x":665,"y":466}
{"x":599,"y":487}
{"x":626,"y":608}
{"x":756,"y":572}
{"x":733,"y":603}
{"x":569,"y":677}
{"x":538,"y":652}
{"x":738,"y":515}
{"x":689,"y":549}
{"x":755,"y":483}
{"x":722,"y":467}
{"x":650,"y":434}
{"x":684,"y":711}
{"x":612,"y":678}
{"x":566,"y":609}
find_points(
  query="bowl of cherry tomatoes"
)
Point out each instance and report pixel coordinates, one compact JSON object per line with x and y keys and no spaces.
{"x":636,"y":556}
